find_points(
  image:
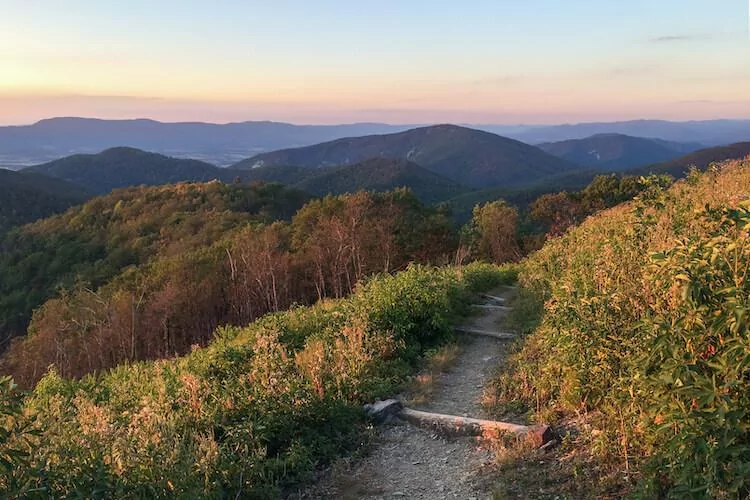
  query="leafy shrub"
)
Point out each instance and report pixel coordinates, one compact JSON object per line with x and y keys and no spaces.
{"x":644,"y":329}
{"x":259,"y":408}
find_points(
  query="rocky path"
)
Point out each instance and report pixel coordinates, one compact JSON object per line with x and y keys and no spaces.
{"x":414,"y":463}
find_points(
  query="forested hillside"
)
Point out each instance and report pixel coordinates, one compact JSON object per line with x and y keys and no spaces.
{"x":92,"y":243}
{"x":643,"y":345}
{"x":381,"y":174}
{"x":148,"y":272}
{"x":616,"y":152}
{"x":27,"y":197}
{"x":469,"y":157}
{"x":125,"y":167}
{"x":701,"y":159}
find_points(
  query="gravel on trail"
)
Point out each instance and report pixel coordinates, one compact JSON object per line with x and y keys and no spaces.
{"x":414,"y":463}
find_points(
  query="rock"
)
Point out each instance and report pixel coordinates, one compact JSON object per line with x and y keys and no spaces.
{"x":383,"y":411}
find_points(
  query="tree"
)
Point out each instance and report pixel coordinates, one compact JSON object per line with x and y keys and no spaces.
{"x":494,"y":232}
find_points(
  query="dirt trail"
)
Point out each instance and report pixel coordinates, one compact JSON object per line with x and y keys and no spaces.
{"x":410,"y":462}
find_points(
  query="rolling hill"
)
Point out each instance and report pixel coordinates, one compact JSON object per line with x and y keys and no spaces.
{"x":617,"y":152}
{"x":124,"y":167}
{"x":381,"y":174}
{"x":221,"y":144}
{"x":470,"y":157}
{"x":708,"y":132}
{"x":26,"y":197}
{"x":700,"y":159}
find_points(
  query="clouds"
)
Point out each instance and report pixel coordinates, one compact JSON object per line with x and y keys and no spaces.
{"x":684,"y":38}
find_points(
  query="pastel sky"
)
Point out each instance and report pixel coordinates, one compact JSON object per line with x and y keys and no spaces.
{"x":397,"y":61}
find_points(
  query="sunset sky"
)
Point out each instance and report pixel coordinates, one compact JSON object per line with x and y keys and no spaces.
{"x":397,"y":61}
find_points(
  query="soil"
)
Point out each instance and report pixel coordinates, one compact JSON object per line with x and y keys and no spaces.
{"x":409,"y":462}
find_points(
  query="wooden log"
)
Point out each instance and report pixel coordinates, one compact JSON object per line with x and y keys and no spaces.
{"x":466,"y":426}
{"x":493,"y":297}
{"x":492,"y":307}
{"x":487,"y":333}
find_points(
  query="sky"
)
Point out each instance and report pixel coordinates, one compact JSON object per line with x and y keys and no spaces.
{"x":395,"y":61}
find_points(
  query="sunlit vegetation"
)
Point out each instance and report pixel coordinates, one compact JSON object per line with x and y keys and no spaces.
{"x":259,"y":408}
{"x":215,"y":340}
{"x":643,"y":341}
{"x":131,"y":293}
{"x":92,"y":243}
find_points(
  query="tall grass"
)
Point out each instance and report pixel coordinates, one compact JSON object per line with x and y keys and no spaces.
{"x":258,"y":409}
{"x":645,"y":331}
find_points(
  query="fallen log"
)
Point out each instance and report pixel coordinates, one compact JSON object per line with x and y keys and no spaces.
{"x":491,"y":306}
{"x":465,"y":426}
{"x":487,"y":333}
{"x":493,"y":297}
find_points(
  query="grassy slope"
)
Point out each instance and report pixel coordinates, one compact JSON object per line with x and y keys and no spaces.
{"x":650,"y":350}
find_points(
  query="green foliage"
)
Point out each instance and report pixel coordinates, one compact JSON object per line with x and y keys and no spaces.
{"x":92,"y":243}
{"x":380,"y":174}
{"x":644,"y":330}
{"x":259,"y":408}
{"x":492,"y":234}
{"x":17,"y":435}
{"x":27,"y":197}
{"x":696,"y":358}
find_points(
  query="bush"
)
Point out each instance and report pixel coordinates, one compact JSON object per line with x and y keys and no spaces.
{"x":258,"y":409}
{"x":644,"y":329}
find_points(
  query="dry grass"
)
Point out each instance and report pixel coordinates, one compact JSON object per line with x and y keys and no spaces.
{"x":571,"y":470}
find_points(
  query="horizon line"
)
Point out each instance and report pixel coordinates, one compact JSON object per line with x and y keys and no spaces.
{"x":416,"y":124}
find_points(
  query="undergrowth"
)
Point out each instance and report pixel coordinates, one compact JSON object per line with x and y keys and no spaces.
{"x":259,"y":409}
{"x":644,"y":341}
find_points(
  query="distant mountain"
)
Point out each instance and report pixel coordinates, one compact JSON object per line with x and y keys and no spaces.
{"x":123,"y":167}
{"x":616,"y":152}
{"x":218,"y":144}
{"x":380,"y":174}
{"x":700,"y":159}
{"x":26,"y":197}
{"x":470,"y":157}
{"x":226,"y":144}
{"x":707,"y":132}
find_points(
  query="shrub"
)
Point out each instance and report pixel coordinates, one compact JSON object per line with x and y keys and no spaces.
{"x":259,"y":408}
{"x":644,"y":326}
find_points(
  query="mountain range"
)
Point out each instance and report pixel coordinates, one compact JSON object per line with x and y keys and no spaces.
{"x":469,"y":157}
{"x":617,"y":152}
{"x":226,"y":144}
{"x":439,"y":163}
{"x":701,"y":159}
{"x":706,"y":132}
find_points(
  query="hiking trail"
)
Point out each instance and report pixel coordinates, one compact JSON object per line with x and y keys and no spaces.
{"x":416,"y":463}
